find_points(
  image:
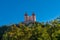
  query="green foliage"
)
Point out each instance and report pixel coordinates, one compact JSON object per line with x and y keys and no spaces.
{"x":32,"y":31}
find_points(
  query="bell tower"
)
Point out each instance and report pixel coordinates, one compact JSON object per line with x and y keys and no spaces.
{"x":33,"y":17}
{"x":26,"y":17}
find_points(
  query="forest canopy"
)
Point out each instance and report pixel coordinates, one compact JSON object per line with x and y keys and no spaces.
{"x":32,"y":31}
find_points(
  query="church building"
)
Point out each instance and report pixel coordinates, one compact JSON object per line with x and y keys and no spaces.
{"x":28,"y":19}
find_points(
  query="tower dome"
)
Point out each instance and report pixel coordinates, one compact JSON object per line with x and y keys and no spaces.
{"x":33,"y":14}
{"x":26,"y":14}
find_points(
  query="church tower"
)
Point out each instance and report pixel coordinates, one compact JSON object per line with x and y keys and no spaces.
{"x":33,"y":17}
{"x":26,"y":17}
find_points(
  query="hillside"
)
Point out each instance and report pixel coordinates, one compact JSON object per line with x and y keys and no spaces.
{"x":31,"y":31}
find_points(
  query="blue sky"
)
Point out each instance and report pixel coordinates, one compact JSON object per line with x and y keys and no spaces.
{"x":12,"y":11}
